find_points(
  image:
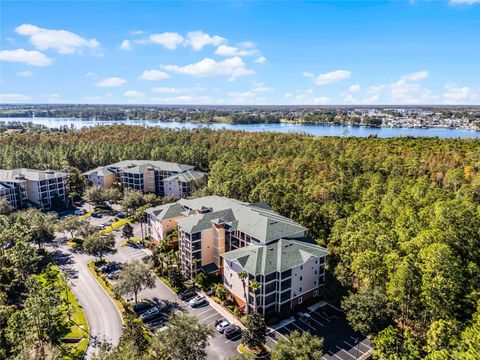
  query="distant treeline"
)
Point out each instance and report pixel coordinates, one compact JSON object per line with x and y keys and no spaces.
{"x":232,"y":115}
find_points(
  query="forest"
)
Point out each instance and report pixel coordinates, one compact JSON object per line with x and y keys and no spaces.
{"x":400,"y":216}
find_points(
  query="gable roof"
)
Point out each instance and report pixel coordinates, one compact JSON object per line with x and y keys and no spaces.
{"x":100,"y":171}
{"x":166,"y":211}
{"x":22,"y":174}
{"x":282,"y":255}
{"x":158,"y":165}
{"x":187,"y":176}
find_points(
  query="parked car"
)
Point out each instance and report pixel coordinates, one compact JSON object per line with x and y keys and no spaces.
{"x":198,"y":301}
{"x":187,"y":295}
{"x":151,"y":314}
{"x":108,"y":268}
{"x":96,"y":215}
{"x":114,"y":274}
{"x":121,"y":215}
{"x":78,"y":203}
{"x":222,"y":326}
{"x":79,"y":212}
{"x":141,"y":307}
{"x":232,"y":331}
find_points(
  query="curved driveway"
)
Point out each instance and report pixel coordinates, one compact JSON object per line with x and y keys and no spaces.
{"x":103,"y":318}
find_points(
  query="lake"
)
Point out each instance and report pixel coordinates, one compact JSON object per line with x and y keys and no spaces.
{"x":317,"y":130}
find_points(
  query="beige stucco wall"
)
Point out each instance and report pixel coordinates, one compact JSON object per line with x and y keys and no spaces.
{"x":149,"y":181}
{"x":308,"y":277}
{"x":207,"y":246}
{"x":231,"y":280}
{"x":172,"y":188}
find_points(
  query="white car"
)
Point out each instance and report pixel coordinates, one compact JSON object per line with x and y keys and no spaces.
{"x":198,"y":301}
{"x":222,"y":326}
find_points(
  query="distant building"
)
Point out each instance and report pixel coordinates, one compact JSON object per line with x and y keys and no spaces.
{"x":41,"y":188}
{"x":224,"y":236}
{"x":147,"y":176}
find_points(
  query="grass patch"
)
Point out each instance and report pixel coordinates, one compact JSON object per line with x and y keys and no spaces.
{"x":257,"y":353}
{"x":135,"y":239}
{"x":124,"y":243}
{"x":106,"y":286}
{"x":167,"y":282}
{"x":115,"y":225}
{"x":85,"y":216}
{"x":77,"y":324}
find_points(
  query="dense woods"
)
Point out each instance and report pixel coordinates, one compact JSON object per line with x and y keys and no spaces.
{"x":400,"y":216}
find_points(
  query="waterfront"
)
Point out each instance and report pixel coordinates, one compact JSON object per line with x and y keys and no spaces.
{"x":312,"y":129}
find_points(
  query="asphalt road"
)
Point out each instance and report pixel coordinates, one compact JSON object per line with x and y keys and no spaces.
{"x":103,"y":318}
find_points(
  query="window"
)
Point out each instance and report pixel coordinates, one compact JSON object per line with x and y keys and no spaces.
{"x":271,"y":277}
{"x":300,"y":300}
{"x":301,"y":278}
{"x":300,"y":290}
{"x":285,"y":296}
{"x":286,"y":284}
{"x":316,"y":272}
{"x":301,"y":267}
{"x":315,"y":293}
{"x":286,"y":273}
{"x":322,"y":260}
{"x":315,"y":282}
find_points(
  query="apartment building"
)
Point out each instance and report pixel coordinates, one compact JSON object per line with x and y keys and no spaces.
{"x":9,"y":194}
{"x":147,"y":176}
{"x":218,"y":235}
{"x":42,"y":188}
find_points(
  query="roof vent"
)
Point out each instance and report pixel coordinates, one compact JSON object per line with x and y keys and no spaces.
{"x":20,"y":177}
{"x":48,"y":171}
{"x":150,"y":168}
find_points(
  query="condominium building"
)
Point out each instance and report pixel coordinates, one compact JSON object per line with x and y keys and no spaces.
{"x":147,"y":176}
{"x":224,"y":236}
{"x":42,"y":188}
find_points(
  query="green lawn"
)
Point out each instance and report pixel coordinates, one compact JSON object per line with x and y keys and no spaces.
{"x":116,"y":225}
{"x":77,"y":324}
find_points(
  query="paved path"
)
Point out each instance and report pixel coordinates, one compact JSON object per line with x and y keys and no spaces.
{"x":103,"y":318}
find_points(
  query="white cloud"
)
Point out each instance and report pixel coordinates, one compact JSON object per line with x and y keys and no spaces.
{"x":126,"y":45}
{"x":246,"y":44}
{"x":198,"y":39}
{"x":455,"y":94}
{"x":14,"y":98}
{"x":261,"y":60}
{"x":230,"y":51}
{"x":371,"y":100}
{"x":137,"y":32}
{"x":152,"y":75}
{"x":407,"y":90}
{"x":26,"y":73}
{"x":464,"y":2}
{"x":183,"y":99}
{"x":321,"y":100}
{"x":260,"y":87}
{"x":111,"y":82}
{"x":354,"y":88}
{"x":231,"y":67}
{"x":169,"y":40}
{"x":242,"y":96}
{"x":419,"y":75}
{"x":90,"y":74}
{"x":31,"y":57}
{"x":133,"y":93}
{"x":62,"y":41}
{"x":173,"y":90}
{"x":330,"y":77}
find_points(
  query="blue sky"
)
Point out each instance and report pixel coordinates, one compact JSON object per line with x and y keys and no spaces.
{"x":241,"y":52}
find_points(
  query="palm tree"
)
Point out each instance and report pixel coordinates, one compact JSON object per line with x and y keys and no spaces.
{"x":243,"y":275}
{"x":254,"y":285}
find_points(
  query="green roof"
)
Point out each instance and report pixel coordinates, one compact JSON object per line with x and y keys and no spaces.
{"x":166,"y":211}
{"x":282,"y":255}
{"x":187,"y":176}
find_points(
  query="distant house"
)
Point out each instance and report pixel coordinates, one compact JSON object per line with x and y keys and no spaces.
{"x":225,"y":236}
{"x":41,"y":188}
{"x":147,"y":176}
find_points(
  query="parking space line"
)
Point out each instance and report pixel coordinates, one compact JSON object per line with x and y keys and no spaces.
{"x":235,"y":338}
{"x":298,"y":327}
{"x":333,"y":354}
{"x":354,"y":347}
{"x":203,"y":312}
{"x":323,"y":317}
{"x":208,"y":317}
{"x":310,"y":326}
{"x":276,"y":332}
{"x":345,"y":351}
{"x":318,"y":322}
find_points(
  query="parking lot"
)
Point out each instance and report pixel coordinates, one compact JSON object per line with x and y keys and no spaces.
{"x":341,"y":341}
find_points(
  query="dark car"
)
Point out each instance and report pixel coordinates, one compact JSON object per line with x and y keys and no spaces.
{"x":232,"y":331}
{"x":121,"y":215}
{"x":188,"y":294}
{"x":96,"y":215}
{"x":142,"y":307}
{"x":151,"y":314}
{"x":108,"y":268}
